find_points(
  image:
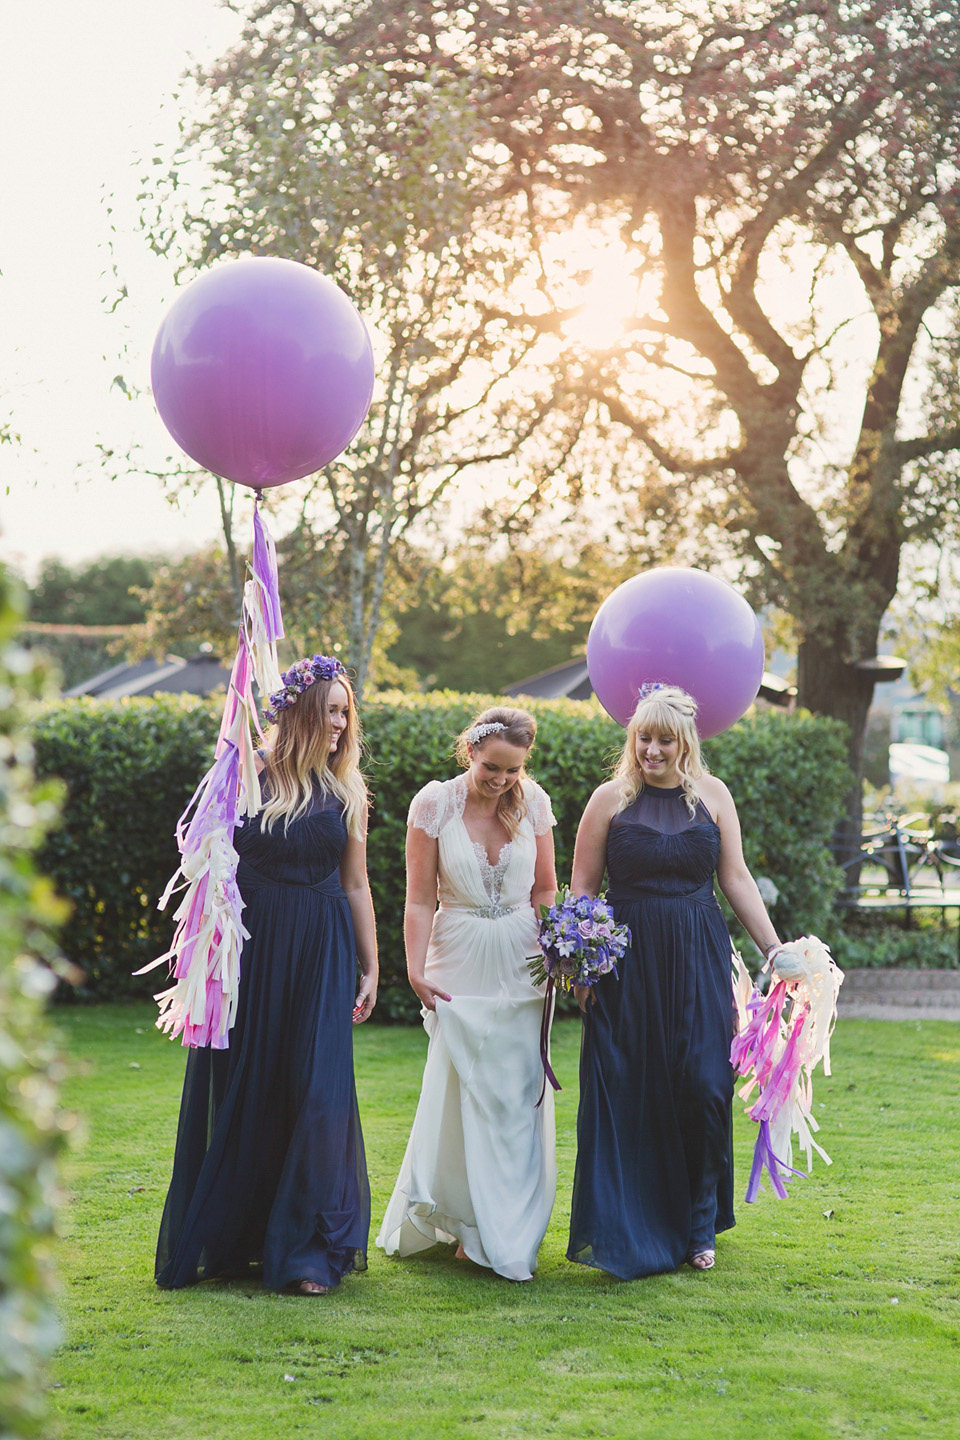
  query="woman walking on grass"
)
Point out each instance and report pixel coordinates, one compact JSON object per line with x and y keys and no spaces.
{"x":479,"y":1170}
{"x":654,"y":1174}
{"x":269,"y":1168}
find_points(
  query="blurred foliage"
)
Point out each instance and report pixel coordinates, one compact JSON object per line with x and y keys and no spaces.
{"x":191,"y":605}
{"x":105,"y":591}
{"x":789,"y":776}
{"x":76,"y":652}
{"x":871,"y":941}
{"x":31,"y":1127}
{"x":505,"y":610}
{"x":188,"y":605}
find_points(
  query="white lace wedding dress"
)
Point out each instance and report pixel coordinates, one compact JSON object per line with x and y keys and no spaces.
{"x":480,"y":1164}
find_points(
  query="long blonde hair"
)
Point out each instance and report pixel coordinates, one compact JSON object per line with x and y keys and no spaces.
{"x":299,"y":757}
{"x":516,"y":727}
{"x":667,"y":710}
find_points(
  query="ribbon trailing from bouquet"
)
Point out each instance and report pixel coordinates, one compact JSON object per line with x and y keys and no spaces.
{"x":783,"y":1035}
{"x":204,"y":957}
{"x":546,"y":1015}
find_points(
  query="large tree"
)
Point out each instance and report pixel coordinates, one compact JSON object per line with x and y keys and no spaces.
{"x":321,"y":160}
{"x":786,"y":175}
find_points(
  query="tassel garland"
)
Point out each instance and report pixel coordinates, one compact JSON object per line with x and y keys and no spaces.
{"x":782,"y":1037}
{"x":205,"y":954}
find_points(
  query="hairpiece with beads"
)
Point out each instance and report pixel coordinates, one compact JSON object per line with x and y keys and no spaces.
{"x":479,"y":731}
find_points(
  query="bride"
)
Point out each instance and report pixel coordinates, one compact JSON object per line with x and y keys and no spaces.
{"x":480,"y":1166}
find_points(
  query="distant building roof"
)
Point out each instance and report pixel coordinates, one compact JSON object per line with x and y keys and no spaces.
{"x":572,"y":682}
{"x":200,"y":675}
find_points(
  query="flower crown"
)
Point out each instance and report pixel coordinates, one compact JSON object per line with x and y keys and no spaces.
{"x":648,"y":688}
{"x":479,"y":731}
{"x":299,"y":678}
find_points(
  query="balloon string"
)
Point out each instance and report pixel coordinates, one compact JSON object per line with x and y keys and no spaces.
{"x":257,"y":498}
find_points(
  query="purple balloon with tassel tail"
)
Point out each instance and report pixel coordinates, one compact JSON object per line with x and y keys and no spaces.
{"x":263,"y":373}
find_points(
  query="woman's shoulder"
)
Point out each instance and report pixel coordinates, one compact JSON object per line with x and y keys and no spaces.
{"x":433,"y":789}
{"x":712,"y":791}
{"x":538,"y":805}
{"x":433,"y":805}
{"x":533,"y":790}
{"x":715,"y":796}
{"x":606,"y":796}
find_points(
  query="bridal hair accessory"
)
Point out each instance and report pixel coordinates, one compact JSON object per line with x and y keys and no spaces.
{"x":299,"y":678}
{"x":783,"y":1036}
{"x":647,"y":689}
{"x":479,"y":731}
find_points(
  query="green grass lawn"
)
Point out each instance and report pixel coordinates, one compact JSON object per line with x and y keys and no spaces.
{"x":834,"y":1313}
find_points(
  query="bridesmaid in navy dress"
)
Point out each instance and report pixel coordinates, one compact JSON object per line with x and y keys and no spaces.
{"x":654,"y":1175}
{"x":269,"y":1168}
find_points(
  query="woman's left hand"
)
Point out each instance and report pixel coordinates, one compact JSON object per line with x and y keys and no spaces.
{"x":584,"y":995}
{"x":366,"y":1000}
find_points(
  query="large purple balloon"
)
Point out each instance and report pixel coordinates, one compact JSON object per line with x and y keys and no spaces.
{"x":681,"y":627}
{"x":262,"y":371}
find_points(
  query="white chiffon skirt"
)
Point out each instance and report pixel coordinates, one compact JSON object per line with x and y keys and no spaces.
{"x":480,"y":1164}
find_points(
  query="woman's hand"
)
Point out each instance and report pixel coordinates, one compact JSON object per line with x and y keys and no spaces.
{"x":366,"y":999}
{"x":428,"y":994}
{"x":584,"y":996}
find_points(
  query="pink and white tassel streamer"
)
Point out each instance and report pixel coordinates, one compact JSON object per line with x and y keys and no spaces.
{"x":205,"y":955}
{"x":783,"y":1036}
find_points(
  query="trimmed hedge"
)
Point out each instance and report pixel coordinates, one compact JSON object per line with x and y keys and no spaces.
{"x":130,"y":767}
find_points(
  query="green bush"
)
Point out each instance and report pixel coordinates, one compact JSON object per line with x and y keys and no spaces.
{"x":130,"y":767}
{"x":30,"y":1124}
{"x":872,"y":941}
{"x":788,"y":775}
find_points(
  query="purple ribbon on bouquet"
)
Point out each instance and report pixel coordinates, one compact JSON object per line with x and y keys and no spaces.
{"x":545,"y":1019}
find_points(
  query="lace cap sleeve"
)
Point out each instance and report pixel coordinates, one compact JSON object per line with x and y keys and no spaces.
{"x":539,"y":808}
{"x":428,"y":808}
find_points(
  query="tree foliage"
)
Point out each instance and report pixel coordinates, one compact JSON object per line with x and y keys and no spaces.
{"x":104,"y":591}
{"x":490,"y":612}
{"x":327,"y":163}
{"x":785,"y":175}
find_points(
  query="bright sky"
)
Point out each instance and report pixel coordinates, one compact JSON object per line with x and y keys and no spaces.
{"x":87,"y":88}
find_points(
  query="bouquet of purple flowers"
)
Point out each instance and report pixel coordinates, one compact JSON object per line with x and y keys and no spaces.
{"x":579,"y":941}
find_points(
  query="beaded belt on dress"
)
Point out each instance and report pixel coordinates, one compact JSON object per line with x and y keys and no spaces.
{"x":485,"y":912}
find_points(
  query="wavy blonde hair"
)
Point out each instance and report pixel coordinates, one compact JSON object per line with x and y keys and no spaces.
{"x":299,"y":757}
{"x":519,"y":728}
{"x":667,"y":711}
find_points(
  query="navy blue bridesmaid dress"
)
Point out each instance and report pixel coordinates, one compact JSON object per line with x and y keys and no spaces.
{"x":654,"y":1173}
{"x":269,"y":1169}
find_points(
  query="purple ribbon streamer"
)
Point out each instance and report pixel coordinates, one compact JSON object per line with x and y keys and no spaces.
{"x":265,"y":570}
{"x":545,"y":1019}
{"x":763,"y":1157}
{"x":239,"y":690}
